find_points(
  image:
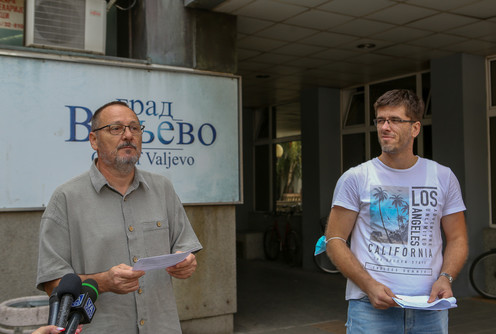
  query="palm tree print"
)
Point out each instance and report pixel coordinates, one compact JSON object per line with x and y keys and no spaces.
{"x":397,"y":202}
{"x":381,"y":195}
{"x":389,"y":214}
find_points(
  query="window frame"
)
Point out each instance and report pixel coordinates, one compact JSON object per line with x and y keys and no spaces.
{"x":491,"y":113}
{"x":271,"y":141}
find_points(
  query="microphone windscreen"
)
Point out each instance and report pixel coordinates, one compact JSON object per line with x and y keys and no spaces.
{"x":69,"y":284}
{"x":90,"y":286}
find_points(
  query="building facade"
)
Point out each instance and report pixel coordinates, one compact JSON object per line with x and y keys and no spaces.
{"x":323,"y":115}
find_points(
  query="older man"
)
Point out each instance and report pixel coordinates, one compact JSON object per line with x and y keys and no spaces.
{"x":100,"y":223}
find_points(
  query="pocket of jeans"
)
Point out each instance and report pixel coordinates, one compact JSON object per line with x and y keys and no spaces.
{"x":364,"y":299}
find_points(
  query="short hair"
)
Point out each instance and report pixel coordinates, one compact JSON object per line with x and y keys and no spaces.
{"x":414,"y":106}
{"x":95,"y":120}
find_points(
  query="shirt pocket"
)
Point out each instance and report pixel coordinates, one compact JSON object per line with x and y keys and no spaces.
{"x":156,"y":237}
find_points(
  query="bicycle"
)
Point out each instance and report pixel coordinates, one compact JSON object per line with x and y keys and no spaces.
{"x":483,"y":274}
{"x":322,"y":260}
{"x":290,"y":246}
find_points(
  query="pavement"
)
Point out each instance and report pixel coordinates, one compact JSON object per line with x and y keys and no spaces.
{"x":276,"y":298}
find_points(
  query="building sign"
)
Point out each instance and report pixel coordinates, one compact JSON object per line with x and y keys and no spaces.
{"x":191,"y":125}
{"x":12,"y":14}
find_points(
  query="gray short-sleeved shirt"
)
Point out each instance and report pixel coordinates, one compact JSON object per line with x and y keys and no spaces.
{"x":88,"y":228}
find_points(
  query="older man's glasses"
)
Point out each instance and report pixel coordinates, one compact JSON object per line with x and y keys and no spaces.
{"x":394,"y":121}
{"x":119,"y":129}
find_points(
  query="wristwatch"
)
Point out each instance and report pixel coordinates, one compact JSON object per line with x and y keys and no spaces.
{"x":448,"y":276}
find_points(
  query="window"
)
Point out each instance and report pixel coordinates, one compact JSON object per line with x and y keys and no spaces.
{"x":377,"y":89}
{"x":288,"y":176}
{"x":278,"y":169}
{"x":355,"y":115}
{"x":262,"y":177}
{"x":492,"y":83}
{"x":359,"y":135}
{"x":353,"y":150}
{"x":492,"y":161}
{"x":12,"y":23}
{"x":287,"y":119}
{"x":491,"y":114}
{"x":262,"y":159}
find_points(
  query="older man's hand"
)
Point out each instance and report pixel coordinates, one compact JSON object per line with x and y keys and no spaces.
{"x":183,"y":269}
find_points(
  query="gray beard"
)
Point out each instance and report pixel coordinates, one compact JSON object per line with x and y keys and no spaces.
{"x":125,"y":165}
{"x":387,"y":149}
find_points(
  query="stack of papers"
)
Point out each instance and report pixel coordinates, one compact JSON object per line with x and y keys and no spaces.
{"x":420,"y":303}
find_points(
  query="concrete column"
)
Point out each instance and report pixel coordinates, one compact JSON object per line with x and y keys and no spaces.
{"x":321,"y":156}
{"x":166,"y":32}
{"x":19,"y":249}
{"x":206,"y":302}
{"x":459,"y":131}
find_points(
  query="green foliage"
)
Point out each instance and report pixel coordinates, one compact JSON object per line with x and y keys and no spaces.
{"x":288,"y":166}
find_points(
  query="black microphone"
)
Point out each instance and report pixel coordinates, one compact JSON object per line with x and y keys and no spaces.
{"x":54,"y":307}
{"x":68,"y":290}
{"x":83,"y":308}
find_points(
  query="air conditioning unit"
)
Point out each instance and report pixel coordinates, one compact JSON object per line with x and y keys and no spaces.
{"x":76,"y":25}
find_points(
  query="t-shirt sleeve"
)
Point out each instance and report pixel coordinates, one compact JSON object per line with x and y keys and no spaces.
{"x":454,"y":200}
{"x":346,"y":192}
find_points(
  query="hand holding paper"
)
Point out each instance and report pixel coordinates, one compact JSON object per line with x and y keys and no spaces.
{"x":420,"y":302}
{"x":161,"y":261}
{"x":183,"y":269}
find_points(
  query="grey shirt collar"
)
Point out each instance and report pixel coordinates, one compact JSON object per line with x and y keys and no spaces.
{"x":99,"y":181}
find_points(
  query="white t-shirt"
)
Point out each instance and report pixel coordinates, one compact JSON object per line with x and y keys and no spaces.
{"x":397,"y":235}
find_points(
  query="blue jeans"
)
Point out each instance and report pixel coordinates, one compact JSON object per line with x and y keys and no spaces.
{"x":363,"y":318}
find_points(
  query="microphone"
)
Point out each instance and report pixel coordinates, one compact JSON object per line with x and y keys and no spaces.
{"x":54,"y":303}
{"x":68,"y":290}
{"x":83,"y":308}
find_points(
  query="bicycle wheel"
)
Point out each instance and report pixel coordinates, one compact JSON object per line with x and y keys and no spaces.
{"x":272,"y":244}
{"x":292,"y":248}
{"x":483,"y":274}
{"x":325,"y":264}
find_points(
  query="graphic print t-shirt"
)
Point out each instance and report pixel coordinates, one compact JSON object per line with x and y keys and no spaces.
{"x":397,"y":235}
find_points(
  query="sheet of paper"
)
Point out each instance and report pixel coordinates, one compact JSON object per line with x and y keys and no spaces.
{"x":160,"y":262}
{"x":420,"y":302}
